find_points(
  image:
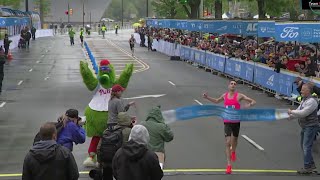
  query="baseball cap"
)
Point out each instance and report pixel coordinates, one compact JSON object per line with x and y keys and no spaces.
{"x":72,"y":113}
{"x":104,"y":62}
{"x":117,"y":88}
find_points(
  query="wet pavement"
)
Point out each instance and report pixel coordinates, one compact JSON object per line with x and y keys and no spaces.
{"x":44,"y":81}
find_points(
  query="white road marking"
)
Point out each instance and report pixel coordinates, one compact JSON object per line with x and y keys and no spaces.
{"x":42,"y":56}
{"x":31,"y":70}
{"x":146,"y":96}
{"x":117,"y":66}
{"x":252,"y":142}
{"x":171,"y":83}
{"x":198,"y":102}
{"x":38,"y":62}
{"x":2,"y":104}
{"x":20,"y":82}
{"x":46,"y":78}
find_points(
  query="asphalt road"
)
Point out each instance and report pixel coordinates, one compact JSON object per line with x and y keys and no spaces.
{"x":44,"y":81}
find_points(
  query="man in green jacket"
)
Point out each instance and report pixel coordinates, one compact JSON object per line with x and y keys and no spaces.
{"x":71,"y":35}
{"x":159,"y":133}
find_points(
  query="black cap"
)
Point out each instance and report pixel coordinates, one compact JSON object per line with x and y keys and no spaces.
{"x":72,"y":113}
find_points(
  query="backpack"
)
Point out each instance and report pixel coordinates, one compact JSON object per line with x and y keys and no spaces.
{"x":111,"y":141}
{"x":59,"y":127}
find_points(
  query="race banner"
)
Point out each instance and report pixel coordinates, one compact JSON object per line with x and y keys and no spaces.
{"x":197,"y":111}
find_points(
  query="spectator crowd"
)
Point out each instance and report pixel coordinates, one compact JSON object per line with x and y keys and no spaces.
{"x":297,"y":57}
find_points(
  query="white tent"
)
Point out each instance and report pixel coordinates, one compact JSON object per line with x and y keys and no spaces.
{"x":225,"y":16}
{"x":257,"y":16}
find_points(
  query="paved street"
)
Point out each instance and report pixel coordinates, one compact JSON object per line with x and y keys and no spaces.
{"x":44,"y":81}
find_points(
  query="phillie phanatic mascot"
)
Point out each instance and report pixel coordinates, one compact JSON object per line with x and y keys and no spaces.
{"x":97,"y":111}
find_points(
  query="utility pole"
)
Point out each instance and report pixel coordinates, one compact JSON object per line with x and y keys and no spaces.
{"x":147,"y":8}
{"x":83,"y":14}
{"x":68,"y":12}
{"x":90,"y":19}
{"x":122,"y":13}
{"x":27,"y":5}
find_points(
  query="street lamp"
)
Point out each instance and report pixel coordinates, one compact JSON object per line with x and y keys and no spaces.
{"x":83,"y":14}
{"x":122,"y":13}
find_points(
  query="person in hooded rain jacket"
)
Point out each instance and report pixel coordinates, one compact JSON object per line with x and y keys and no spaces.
{"x":159,"y":133}
{"x":134,"y":161}
{"x":48,"y":160}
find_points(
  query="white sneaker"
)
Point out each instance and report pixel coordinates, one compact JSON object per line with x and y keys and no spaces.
{"x":89,"y":162}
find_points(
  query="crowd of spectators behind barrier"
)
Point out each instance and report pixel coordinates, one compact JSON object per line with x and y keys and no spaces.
{"x":297,"y":57}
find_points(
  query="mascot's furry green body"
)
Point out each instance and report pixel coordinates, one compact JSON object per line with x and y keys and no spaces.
{"x":97,"y":111}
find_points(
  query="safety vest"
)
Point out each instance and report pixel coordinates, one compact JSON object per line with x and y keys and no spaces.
{"x":299,"y":98}
{"x":81,"y":33}
{"x":104,"y":28}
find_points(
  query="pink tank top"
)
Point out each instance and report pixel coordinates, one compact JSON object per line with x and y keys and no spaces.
{"x":231,"y":103}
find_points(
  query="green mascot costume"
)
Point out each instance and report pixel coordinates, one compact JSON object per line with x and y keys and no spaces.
{"x":97,"y":111}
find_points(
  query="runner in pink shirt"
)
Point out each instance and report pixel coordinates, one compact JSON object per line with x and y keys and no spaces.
{"x":231,"y":99}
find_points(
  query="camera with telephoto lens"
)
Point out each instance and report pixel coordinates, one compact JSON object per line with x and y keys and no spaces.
{"x":96,"y":174}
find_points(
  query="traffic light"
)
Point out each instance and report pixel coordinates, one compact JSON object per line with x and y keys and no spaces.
{"x":66,"y":12}
{"x":71,"y":11}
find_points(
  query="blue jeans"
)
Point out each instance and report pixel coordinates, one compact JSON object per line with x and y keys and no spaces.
{"x":307,"y":137}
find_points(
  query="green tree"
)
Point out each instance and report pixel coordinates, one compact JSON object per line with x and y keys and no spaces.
{"x":191,"y":7}
{"x":114,"y":10}
{"x":273,"y":7}
{"x":44,"y":8}
{"x":167,"y":8}
{"x":130,"y":9}
{"x":15,"y":4}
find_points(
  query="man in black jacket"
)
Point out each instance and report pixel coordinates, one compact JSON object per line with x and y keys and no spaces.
{"x":6,"y":44}
{"x":2,"y":62}
{"x":134,"y":161}
{"x":49,"y":161}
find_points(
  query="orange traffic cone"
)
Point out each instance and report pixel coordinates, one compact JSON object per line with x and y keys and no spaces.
{"x":10,"y":56}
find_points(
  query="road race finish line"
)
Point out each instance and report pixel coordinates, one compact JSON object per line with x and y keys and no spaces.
{"x":197,"y":111}
{"x":176,"y":172}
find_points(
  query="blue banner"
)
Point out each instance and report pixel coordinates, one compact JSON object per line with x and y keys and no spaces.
{"x":285,"y":83}
{"x":233,"y":67}
{"x":182,"y":52}
{"x":191,"y":112}
{"x":187,"y":53}
{"x":266,"y":77}
{"x":247,"y":70}
{"x":149,"y":22}
{"x":287,"y":32}
{"x":209,"y":60}
{"x":250,"y":28}
{"x":309,"y":33}
{"x":220,"y":27}
{"x":197,"y":57}
{"x":234,"y":27}
{"x":218,"y":62}
{"x":282,"y":31}
{"x":9,"y":21}
{"x":194,"y":25}
{"x":266,"y":29}
{"x":208,"y":26}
